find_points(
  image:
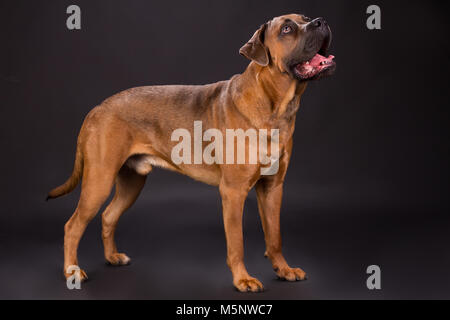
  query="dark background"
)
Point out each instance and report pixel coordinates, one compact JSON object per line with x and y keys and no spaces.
{"x":368,"y":182}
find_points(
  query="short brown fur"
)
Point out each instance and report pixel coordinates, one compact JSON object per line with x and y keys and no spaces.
{"x":136,"y":125}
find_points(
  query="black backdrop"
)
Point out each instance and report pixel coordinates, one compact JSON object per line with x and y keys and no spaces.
{"x":368,"y":181}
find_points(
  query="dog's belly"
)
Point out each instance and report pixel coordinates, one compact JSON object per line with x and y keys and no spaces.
{"x":143,"y":165}
{"x":206,"y":174}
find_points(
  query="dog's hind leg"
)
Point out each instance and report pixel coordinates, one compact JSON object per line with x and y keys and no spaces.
{"x":128,"y":186}
{"x":105,"y":144}
{"x":95,"y":189}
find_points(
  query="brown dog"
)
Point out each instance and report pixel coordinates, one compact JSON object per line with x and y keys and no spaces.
{"x":126,"y":135}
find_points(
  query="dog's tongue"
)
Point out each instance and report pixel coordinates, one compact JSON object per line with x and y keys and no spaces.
{"x":315,"y":65}
{"x":318,"y":60}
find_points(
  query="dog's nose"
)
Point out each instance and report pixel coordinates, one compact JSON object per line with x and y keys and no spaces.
{"x":319,"y":22}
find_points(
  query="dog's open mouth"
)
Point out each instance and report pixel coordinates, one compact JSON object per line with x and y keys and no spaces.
{"x":312,"y":68}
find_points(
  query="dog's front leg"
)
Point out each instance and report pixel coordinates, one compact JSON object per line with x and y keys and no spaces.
{"x":233,"y":205}
{"x":269,"y":192}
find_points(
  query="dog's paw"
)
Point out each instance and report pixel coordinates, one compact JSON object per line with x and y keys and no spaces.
{"x":118,"y":259}
{"x":249,"y":285}
{"x":79,"y":272}
{"x":291,"y":274}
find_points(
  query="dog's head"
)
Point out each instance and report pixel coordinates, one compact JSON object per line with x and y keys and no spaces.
{"x":295,"y":44}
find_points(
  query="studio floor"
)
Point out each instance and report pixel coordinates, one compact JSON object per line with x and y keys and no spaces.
{"x":176,"y":242}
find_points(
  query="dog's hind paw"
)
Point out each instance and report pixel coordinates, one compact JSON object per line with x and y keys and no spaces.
{"x":78,"y":273}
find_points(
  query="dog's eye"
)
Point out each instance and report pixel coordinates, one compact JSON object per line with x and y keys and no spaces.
{"x":286,"y":30}
{"x":306,"y":19}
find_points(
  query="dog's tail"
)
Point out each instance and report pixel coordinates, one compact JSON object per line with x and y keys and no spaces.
{"x":74,"y":179}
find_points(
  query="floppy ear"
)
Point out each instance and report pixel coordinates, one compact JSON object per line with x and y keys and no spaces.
{"x":255,"y":49}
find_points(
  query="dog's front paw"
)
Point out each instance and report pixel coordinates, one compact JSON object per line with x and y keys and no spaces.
{"x":291,"y":274}
{"x":248,"y":285}
{"x":118,"y":259}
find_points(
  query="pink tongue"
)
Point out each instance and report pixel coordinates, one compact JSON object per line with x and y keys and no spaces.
{"x":315,"y":65}
{"x":318,"y":59}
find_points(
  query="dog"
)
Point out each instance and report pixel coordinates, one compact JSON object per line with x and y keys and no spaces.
{"x":122,"y":139}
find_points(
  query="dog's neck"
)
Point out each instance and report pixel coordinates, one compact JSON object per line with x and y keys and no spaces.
{"x":279,"y":96}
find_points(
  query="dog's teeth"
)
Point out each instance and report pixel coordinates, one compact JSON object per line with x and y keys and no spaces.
{"x":307,"y":62}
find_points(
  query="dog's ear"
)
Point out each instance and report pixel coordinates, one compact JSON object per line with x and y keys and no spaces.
{"x":255,"y":49}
